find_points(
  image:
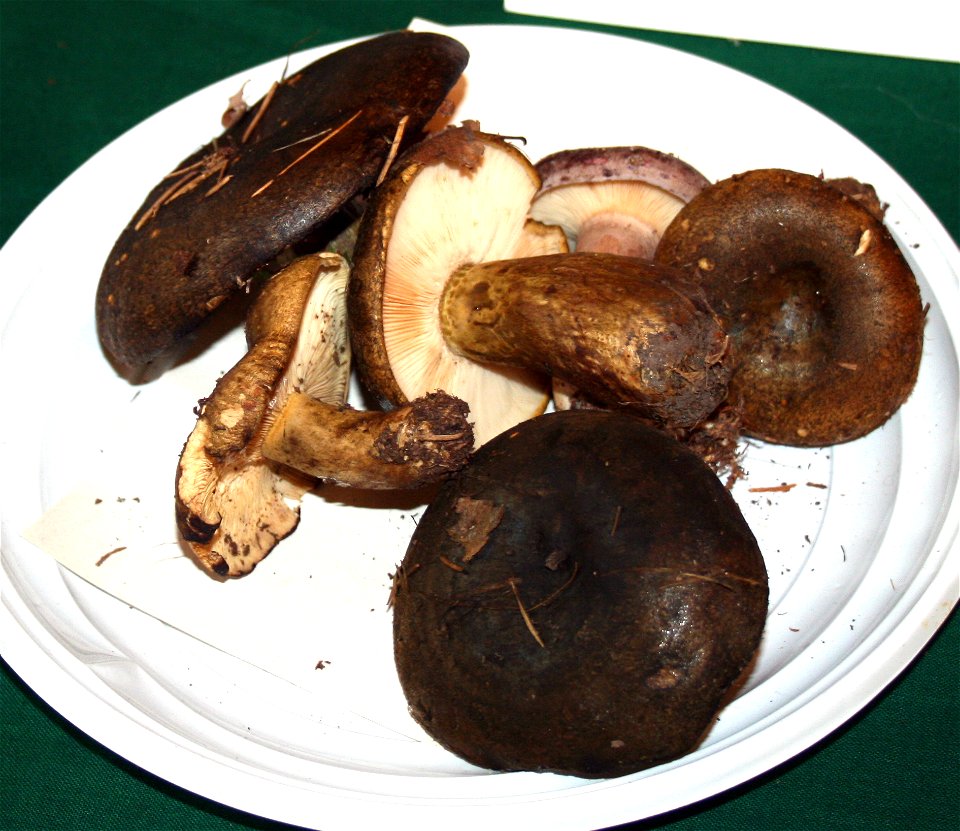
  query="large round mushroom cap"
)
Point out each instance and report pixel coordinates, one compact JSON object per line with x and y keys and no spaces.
{"x":824,"y":311}
{"x":458,"y":198}
{"x":580,"y":598}
{"x":269,"y":181}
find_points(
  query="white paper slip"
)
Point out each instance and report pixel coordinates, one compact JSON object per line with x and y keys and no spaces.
{"x":925,"y":29}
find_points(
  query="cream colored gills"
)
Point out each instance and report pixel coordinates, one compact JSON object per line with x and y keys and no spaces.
{"x":320,"y":366}
{"x":476,"y":217}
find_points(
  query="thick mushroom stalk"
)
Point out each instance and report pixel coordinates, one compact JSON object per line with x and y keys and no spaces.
{"x":614,"y":200}
{"x":233,"y":505}
{"x":617,"y":200}
{"x":627,"y":333}
{"x":408,"y":447}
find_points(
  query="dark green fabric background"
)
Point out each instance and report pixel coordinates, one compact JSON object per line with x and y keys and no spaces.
{"x":77,"y":74}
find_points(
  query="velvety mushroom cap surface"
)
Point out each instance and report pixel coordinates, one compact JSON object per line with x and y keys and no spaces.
{"x":614,"y":199}
{"x":460,"y":197}
{"x":579,"y":599}
{"x":825,"y":313}
{"x":270,"y":180}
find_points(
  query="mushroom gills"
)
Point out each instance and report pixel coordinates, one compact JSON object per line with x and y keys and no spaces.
{"x":593,"y":218}
{"x":459,"y":197}
{"x":615,"y":200}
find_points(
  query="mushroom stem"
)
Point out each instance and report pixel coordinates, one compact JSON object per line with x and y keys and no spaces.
{"x":625,"y":332}
{"x":413,"y":445}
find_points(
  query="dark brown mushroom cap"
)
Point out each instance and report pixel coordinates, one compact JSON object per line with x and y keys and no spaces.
{"x":580,"y":598}
{"x":824,"y":311}
{"x":269,"y":181}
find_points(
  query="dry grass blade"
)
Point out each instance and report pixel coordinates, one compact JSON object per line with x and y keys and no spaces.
{"x":526,"y":617}
{"x":327,"y":136}
{"x":264,"y":103}
{"x":394,"y":148}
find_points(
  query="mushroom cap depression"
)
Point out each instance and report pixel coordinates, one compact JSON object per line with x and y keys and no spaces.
{"x":824,"y":311}
{"x":459,"y":197}
{"x":269,"y":181}
{"x":614,"y":199}
{"x":580,"y":599}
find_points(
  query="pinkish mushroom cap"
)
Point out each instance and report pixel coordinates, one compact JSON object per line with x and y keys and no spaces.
{"x":615,"y":200}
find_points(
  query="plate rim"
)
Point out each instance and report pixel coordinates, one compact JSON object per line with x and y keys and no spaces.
{"x":16,"y":637}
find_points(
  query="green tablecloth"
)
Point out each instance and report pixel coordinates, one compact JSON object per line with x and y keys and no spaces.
{"x":77,"y":74}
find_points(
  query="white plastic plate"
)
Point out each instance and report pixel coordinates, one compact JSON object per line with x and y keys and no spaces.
{"x":861,"y":551}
